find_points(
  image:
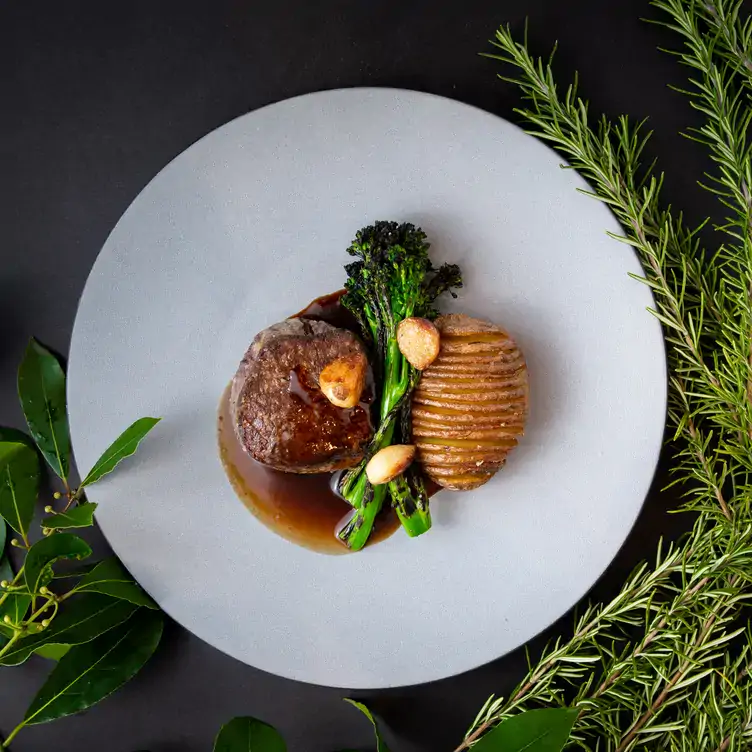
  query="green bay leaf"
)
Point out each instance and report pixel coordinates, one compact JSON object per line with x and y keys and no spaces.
{"x":90,"y":672}
{"x":111,"y":578}
{"x":80,"y":620}
{"x":246,"y":734}
{"x":542,"y":730}
{"x":6,"y":570}
{"x":380,"y":743}
{"x":19,"y":485}
{"x":15,"y":607}
{"x":75,"y":517}
{"x":15,"y":436}
{"x":77,"y":572}
{"x":41,"y":389}
{"x":52,"y":651}
{"x":124,"y":446}
{"x":42,"y":555}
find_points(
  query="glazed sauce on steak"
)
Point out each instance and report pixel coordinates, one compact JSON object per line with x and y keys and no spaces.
{"x":301,"y":508}
{"x":320,"y":429}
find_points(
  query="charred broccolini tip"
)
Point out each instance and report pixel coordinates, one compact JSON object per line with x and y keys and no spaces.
{"x":392,"y":279}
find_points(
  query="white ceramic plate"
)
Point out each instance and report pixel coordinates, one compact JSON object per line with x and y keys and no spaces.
{"x":247,"y":226}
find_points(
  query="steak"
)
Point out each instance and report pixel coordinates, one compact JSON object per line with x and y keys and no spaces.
{"x":281,"y":416}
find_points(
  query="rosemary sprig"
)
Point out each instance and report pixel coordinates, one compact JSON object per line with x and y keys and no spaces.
{"x":666,"y":663}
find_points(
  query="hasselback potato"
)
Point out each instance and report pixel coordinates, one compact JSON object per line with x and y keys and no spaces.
{"x":470,"y":406}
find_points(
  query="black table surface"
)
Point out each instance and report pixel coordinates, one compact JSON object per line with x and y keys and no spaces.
{"x":96,"y":97}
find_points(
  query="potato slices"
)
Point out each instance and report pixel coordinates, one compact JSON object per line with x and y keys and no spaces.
{"x":470,"y":406}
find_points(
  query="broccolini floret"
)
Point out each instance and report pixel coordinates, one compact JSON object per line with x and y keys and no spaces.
{"x":391,"y":280}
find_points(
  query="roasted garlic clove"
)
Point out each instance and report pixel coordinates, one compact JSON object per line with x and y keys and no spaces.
{"x":418,"y":340}
{"x":343,"y":380}
{"x":389,"y":462}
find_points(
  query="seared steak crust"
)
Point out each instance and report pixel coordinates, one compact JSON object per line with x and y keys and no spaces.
{"x":281,"y":417}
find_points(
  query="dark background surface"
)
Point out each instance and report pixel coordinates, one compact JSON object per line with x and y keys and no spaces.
{"x":95,"y":98}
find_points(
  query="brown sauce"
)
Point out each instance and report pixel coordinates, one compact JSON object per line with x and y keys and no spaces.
{"x":301,"y":508}
{"x":329,"y":308}
{"x":320,"y":432}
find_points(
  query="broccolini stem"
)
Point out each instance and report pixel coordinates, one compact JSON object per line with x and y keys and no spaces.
{"x":357,"y":531}
{"x":352,"y":482}
{"x":411,"y":505}
{"x":367,"y":501}
{"x":395,"y":378}
{"x":411,"y":510}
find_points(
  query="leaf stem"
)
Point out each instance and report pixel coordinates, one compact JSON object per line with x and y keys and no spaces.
{"x":18,"y":576}
{"x":17,"y":634}
{"x":73,"y":497}
{"x":13,"y":734}
{"x":51,"y":601}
